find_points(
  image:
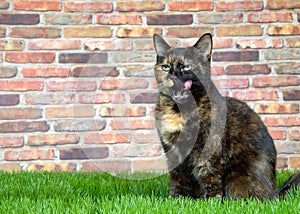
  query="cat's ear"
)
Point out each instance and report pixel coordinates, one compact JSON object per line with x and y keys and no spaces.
{"x":161,"y":46}
{"x":204,"y":44}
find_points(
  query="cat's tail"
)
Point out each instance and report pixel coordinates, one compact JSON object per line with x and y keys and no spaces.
{"x":293,"y":181}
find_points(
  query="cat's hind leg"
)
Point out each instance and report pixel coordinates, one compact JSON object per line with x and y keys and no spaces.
{"x":248,"y":186}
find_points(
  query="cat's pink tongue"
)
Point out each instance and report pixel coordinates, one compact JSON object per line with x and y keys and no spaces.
{"x":188,"y":84}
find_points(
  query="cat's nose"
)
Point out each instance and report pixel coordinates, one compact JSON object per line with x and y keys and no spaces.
{"x":178,"y":72}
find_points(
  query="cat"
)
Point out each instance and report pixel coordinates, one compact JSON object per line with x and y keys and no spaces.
{"x":215,"y":146}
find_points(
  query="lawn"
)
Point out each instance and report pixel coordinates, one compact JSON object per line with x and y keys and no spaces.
{"x":83,"y":192}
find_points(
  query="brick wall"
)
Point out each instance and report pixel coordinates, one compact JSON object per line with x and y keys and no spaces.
{"x":77,"y":90}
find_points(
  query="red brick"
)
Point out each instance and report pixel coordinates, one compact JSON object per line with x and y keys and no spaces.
{"x":132,"y":124}
{"x":123,"y":84}
{"x":231,"y":83}
{"x":29,"y":154}
{"x":217,"y":70}
{"x":281,"y":163}
{"x":265,"y":17}
{"x":259,"y":43}
{"x":106,"y":166}
{"x":176,"y":19}
{"x":108,"y":45}
{"x":123,"y":111}
{"x":276,"y":81}
{"x":4,"y":4}
{"x":277,"y":108}
{"x":286,"y":121}
{"x":137,"y":32}
{"x":83,"y":153}
{"x":15,"y":127}
{"x":239,"y":5}
{"x":2,"y":32}
{"x":20,"y":113}
{"x":238,"y":56}
{"x":294,"y":135}
{"x":119,"y":19}
{"x":45,"y":72}
{"x":94,"y":71}
{"x":12,"y":45}
{"x":150,"y":137}
{"x":244,"y":30}
{"x":9,"y":99}
{"x":29,"y":57}
{"x":253,"y":95}
{"x":94,"y":7}
{"x":191,"y":6}
{"x":222,"y":43}
{"x":68,"y":19}
{"x":150,"y":164}
{"x":74,"y":111}
{"x":54,"y":44}
{"x":187,"y":32}
{"x":21,"y":85}
{"x":283,"y":4}
{"x":11,"y":142}
{"x":19,"y":19}
{"x":291,"y":95}
{"x":247,"y":69}
{"x":278,"y":134}
{"x":139,"y":6}
{"x":99,"y":98}
{"x":87,"y":32}
{"x":220,"y":18}
{"x":284,"y":30}
{"x":106,"y":138}
{"x":136,"y":151}
{"x":52,"y":139}
{"x":294,"y":162}
{"x":48,"y":5}
{"x":71,"y":85}
{"x":49,"y":98}
{"x":61,"y":166}
{"x":144,"y":45}
{"x":35,"y":32}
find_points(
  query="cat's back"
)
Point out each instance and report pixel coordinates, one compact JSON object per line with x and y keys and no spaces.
{"x":245,"y":126}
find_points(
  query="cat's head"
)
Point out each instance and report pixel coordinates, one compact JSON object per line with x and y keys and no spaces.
{"x":183,"y":71}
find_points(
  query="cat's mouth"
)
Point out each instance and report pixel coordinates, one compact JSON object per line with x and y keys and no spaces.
{"x":188,"y":84}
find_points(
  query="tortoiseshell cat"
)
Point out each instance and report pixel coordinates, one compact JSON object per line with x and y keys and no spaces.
{"x":216,"y":146}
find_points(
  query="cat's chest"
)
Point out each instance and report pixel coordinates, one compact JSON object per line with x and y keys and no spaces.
{"x":172,"y":122}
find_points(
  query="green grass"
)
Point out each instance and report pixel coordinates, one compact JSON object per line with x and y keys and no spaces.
{"x":81,"y":192}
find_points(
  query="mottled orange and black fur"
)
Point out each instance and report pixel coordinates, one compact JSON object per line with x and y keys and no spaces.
{"x":216,"y":146}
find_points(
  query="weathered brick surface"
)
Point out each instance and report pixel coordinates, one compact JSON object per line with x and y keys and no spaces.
{"x":95,"y":7}
{"x":35,"y":32}
{"x":37,"y":5}
{"x":11,"y":45}
{"x":77,"y":87}
{"x":19,"y":19}
{"x":9,"y":99}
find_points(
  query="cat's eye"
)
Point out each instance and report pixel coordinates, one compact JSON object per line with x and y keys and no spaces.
{"x":188,"y":68}
{"x":165,"y":67}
